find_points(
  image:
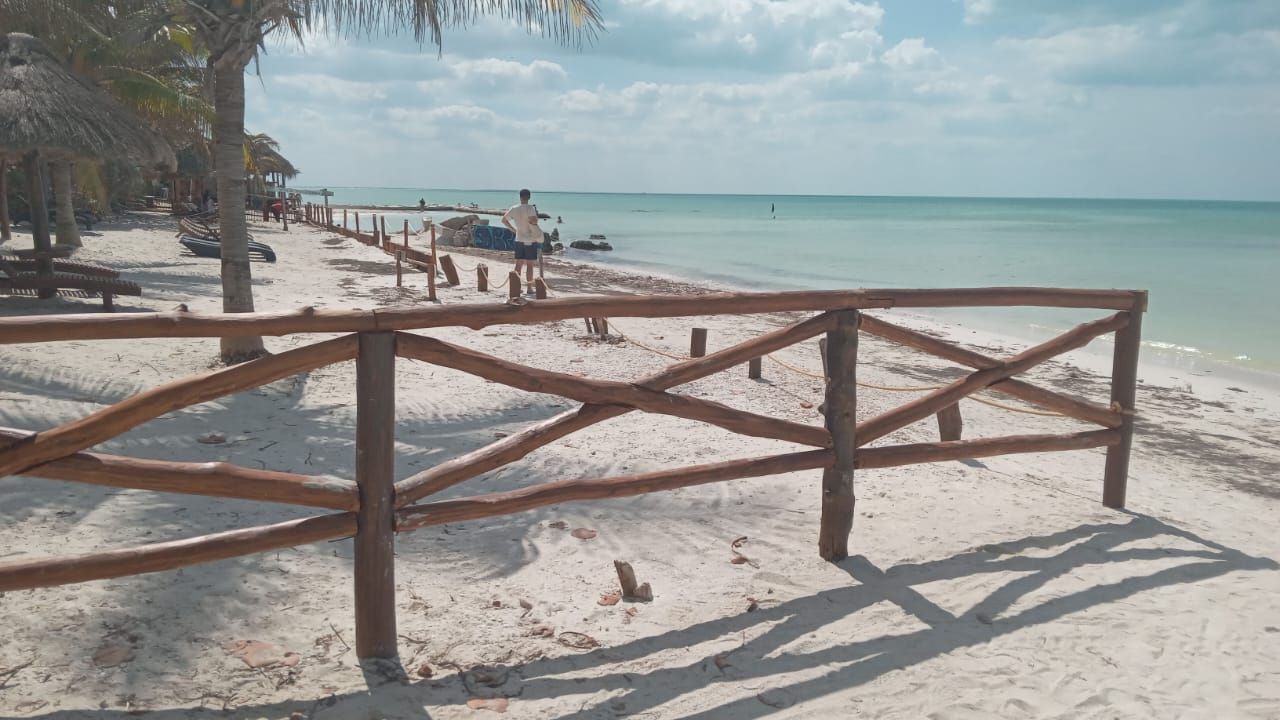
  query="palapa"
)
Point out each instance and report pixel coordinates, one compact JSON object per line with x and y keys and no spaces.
{"x":46,"y":110}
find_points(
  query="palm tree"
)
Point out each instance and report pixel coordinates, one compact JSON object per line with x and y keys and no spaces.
{"x":233,"y":31}
{"x":262,"y":158}
{"x":122,"y":46}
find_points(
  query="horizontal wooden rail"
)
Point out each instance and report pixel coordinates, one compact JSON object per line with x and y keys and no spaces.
{"x":213,"y":479}
{"x":900,"y":417}
{"x":895,"y":455}
{"x":1071,"y":407}
{"x":606,"y":392}
{"x":186,"y":324}
{"x":112,"y":421}
{"x":505,"y":503}
{"x":520,"y":444}
{"x":46,"y":572}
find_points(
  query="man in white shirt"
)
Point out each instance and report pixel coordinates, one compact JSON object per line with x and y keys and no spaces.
{"x":522,"y":220}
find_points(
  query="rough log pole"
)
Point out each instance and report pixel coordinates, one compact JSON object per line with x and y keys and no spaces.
{"x":117,"y":419}
{"x":405,"y":242}
{"x":1071,"y":407}
{"x":513,"y":285}
{"x":482,"y":277}
{"x":606,"y":392}
{"x":1124,"y":391}
{"x":375,"y":583}
{"x":841,"y":410}
{"x":518,"y":445}
{"x":698,"y":342}
{"x":344,"y":218}
{"x":755,"y":368}
{"x":399,"y":271}
{"x":46,"y":572}
{"x":357,"y":222}
{"x":25,"y":329}
{"x":900,"y":417}
{"x":552,"y":493}
{"x":950,"y":423}
{"x":383,"y":224}
{"x":602,"y":326}
{"x":213,"y":479}
{"x":435,"y":265}
{"x":895,"y":455}
{"x":539,"y":289}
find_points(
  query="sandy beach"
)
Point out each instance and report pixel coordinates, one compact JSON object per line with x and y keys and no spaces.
{"x":992,"y":588}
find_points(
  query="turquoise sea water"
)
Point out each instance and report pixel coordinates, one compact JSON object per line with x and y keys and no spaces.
{"x":1212,"y":268}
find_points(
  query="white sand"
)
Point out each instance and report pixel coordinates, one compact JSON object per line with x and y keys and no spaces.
{"x":999,"y":588}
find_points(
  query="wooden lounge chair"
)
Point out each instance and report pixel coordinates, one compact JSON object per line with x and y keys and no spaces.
{"x":60,"y":266}
{"x":14,"y":281}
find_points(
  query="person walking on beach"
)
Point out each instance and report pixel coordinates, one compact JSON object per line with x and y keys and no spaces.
{"x":522,"y":220}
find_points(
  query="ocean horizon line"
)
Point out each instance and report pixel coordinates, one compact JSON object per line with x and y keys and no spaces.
{"x":1063,"y":198}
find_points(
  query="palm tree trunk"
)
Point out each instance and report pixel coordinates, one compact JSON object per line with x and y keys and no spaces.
{"x":39,"y":218}
{"x":6,"y":233}
{"x":65,"y":230}
{"x":228,"y":160}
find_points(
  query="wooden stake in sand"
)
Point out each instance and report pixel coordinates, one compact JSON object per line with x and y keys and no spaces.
{"x":375,"y":585}
{"x":841,"y":410}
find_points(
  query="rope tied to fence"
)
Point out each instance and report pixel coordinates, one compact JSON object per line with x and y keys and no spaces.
{"x":871,"y":386}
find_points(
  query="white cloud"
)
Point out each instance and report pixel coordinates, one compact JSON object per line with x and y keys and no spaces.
{"x":495,"y":71}
{"x":975,"y":11}
{"x":320,"y":85}
{"x":913,"y":54}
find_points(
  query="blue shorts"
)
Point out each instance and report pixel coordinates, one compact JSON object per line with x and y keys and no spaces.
{"x":526,"y":251}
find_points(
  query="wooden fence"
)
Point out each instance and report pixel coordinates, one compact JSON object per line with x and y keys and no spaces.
{"x":376,"y":506}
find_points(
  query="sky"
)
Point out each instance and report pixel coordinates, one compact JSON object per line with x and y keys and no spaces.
{"x":1007,"y":98}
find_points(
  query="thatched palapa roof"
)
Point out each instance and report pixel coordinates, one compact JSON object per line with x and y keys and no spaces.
{"x":44,"y":107}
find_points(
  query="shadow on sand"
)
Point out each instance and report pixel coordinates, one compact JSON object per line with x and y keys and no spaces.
{"x":767,"y":631}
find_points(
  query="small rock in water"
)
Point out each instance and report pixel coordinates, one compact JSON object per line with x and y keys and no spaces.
{"x":213,"y":438}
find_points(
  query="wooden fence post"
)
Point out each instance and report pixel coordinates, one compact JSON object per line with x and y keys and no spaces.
{"x":1124,"y":391}
{"x":539,"y":289}
{"x":602,"y":326}
{"x":513,"y":285}
{"x":383,"y":240}
{"x":755,"y":368}
{"x":375,"y":583}
{"x":357,"y":222}
{"x":482,"y":277}
{"x":435,"y":266}
{"x":950,"y":424}
{"x":450,"y":271}
{"x":841,"y":411}
{"x":698,"y":342}
{"x":399,"y":260}
{"x":406,"y":233}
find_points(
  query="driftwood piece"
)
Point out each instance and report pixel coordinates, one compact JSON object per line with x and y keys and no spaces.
{"x":129,"y":413}
{"x":136,"y":325}
{"x":607,"y":392}
{"x":552,"y":493}
{"x":518,"y":445}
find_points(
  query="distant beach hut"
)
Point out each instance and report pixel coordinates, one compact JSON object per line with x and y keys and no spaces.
{"x":48,"y":113}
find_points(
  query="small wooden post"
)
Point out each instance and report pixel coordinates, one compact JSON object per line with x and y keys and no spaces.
{"x":375,"y":584}
{"x":698,"y":342}
{"x":399,"y":260}
{"x":602,"y":326}
{"x":822,"y":352}
{"x":513,"y":285}
{"x":450,"y":271}
{"x":482,"y":277}
{"x":841,"y":411}
{"x":950,"y":423}
{"x":383,"y":221}
{"x":344,"y":218}
{"x":755,"y":368}
{"x":329,"y":216}
{"x":406,"y":233}
{"x":435,"y":266}
{"x":357,"y":222}
{"x":539,"y":289}
{"x":1124,"y":391}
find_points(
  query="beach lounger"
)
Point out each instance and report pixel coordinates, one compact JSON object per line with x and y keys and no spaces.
{"x":14,"y":281}
{"x":20,"y":265}
{"x":205,"y":247}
